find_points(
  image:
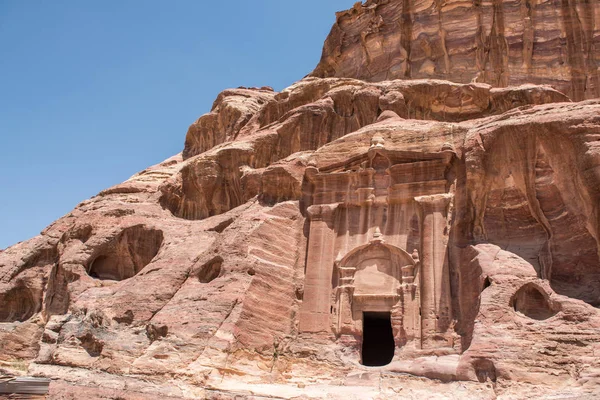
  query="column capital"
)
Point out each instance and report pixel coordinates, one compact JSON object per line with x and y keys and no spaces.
{"x":322,"y":212}
{"x":436,"y":202}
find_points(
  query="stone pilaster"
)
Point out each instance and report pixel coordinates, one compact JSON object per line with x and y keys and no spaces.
{"x":434,"y":277}
{"x":315,"y":312}
{"x":411,"y":303}
{"x":345,"y":323}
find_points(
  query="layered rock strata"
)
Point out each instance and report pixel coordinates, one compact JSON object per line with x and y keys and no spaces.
{"x":341,"y":238}
{"x":500,"y":42}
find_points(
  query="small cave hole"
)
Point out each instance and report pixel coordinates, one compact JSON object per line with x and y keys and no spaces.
{"x":98,"y":268}
{"x":18,"y":305}
{"x":211,"y":270}
{"x":80,"y":232}
{"x":486,"y":283}
{"x":378,"y":339}
{"x":531,"y":302}
{"x":127,"y":254}
{"x":485,"y":370}
{"x":91,"y":345}
{"x":126,"y":318}
{"x":221,"y":226}
{"x":155,"y":332}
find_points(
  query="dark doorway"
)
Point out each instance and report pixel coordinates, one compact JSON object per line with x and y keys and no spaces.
{"x":378,"y":339}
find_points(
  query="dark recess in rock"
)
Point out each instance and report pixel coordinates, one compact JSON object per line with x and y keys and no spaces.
{"x":211,"y":270}
{"x":127,"y":254}
{"x":532,"y":302}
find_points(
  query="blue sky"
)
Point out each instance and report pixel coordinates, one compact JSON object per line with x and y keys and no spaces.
{"x":92,"y":92}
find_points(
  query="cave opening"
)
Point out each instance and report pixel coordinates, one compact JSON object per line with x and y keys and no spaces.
{"x":211,"y":270}
{"x":486,"y":283}
{"x":378,"y":339}
{"x":125,"y":255}
{"x":18,"y":304}
{"x":530,"y":301}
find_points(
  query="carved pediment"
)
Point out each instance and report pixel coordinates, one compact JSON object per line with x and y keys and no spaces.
{"x":382,"y":174}
{"x":376,"y":268}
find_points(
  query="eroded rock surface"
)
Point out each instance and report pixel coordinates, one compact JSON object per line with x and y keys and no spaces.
{"x":500,"y":42}
{"x":458,"y":223}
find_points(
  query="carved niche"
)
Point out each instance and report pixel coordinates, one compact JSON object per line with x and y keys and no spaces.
{"x":377,"y":277}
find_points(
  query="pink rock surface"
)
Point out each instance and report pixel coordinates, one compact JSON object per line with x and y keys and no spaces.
{"x":500,"y":42}
{"x":456,"y":222}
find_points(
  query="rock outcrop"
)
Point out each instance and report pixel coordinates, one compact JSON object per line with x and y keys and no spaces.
{"x":500,"y":42}
{"x":358,"y":234}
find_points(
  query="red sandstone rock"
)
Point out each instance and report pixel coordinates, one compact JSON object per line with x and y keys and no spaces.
{"x":458,"y":220}
{"x":500,"y":42}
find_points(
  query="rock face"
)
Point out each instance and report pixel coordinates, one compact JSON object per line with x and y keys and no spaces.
{"x":344,"y":238}
{"x":499,"y":42}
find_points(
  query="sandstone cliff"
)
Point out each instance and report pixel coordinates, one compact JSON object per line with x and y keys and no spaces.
{"x":458,"y":220}
{"x":499,"y":42}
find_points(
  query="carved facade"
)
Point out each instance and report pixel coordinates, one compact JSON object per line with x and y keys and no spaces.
{"x":378,"y":243}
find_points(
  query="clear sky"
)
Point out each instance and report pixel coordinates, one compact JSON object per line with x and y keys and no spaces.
{"x":92,"y":92}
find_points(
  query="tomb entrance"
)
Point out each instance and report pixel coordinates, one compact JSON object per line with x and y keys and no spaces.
{"x":377,"y":250}
{"x":378,"y":344}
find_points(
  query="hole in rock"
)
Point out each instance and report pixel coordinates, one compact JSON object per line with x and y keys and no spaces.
{"x":531,"y":302}
{"x":18,"y":304}
{"x":155,"y":332}
{"x":80,"y":232}
{"x":485,"y":370}
{"x":127,"y":254}
{"x":221,"y":226}
{"x":91,"y":345}
{"x":211,"y":270}
{"x":486,"y":283}
{"x":378,"y":339}
{"x":126,"y":318}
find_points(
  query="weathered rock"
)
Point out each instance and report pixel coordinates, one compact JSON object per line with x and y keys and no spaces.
{"x":231,"y":112}
{"x":458,"y":223}
{"x":229,"y":175}
{"x":500,"y":42}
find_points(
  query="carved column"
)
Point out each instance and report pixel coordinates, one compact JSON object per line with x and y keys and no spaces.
{"x":434,"y":276}
{"x":315,"y":313}
{"x":345,"y":322}
{"x":411,"y":303}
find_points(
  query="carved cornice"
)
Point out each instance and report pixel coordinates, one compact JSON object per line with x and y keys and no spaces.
{"x":436,"y":202}
{"x":324,"y":212}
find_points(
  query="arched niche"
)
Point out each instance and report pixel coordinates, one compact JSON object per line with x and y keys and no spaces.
{"x":125,"y":255}
{"x":19,"y":304}
{"x":376,"y":268}
{"x":532,"y":301}
{"x":369,"y":295}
